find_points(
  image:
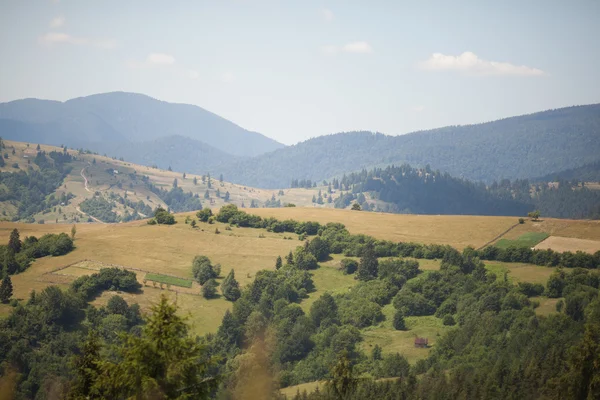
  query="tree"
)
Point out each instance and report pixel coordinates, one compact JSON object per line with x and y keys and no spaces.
{"x":11,"y":266}
{"x":6,"y":289}
{"x":278,"y":262}
{"x":342,"y":383}
{"x":195,"y":181}
{"x":209,"y":289}
{"x":87,"y":367}
{"x":534,"y":215}
{"x":356,"y":207}
{"x":163,"y":362}
{"x":14,"y":243}
{"x":376,"y":353}
{"x":324,"y":309}
{"x":175,"y":183}
{"x":38,"y":148}
{"x":204,"y":214}
{"x":398,"y":322}
{"x":226,"y":196}
{"x":203,"y":270}
{"x":207,"y":194}
{"x":221,"y":178}
{"x":367,"y":268}
{"x":319,"y":248}
{"x":193,"y":223}
{"x":184,"y":175}
{"x":73,"y":232}
{"x":230,"y":287}
{"x":349,"y":266}
{"x":289,"y":259}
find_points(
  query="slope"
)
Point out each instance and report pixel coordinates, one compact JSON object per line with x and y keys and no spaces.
{"x":519,"y":147}
{"x":130,"y":117}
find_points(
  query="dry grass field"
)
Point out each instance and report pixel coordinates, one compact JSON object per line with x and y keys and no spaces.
{"x":569,"y":228}
{"x":558,"y":243}
{"x":457,"y":230}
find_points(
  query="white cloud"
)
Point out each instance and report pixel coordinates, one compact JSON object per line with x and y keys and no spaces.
{"x":160,"y":58}
{"x":57,"y":22}
{"x":54,"y":38}
{"x":326,"y":14}
{"x":358,"y":47}
{"x":361,"y":47}
{"x":470,"y":63}
{"x":227,"y":77}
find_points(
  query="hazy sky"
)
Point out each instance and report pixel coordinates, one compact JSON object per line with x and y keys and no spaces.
{"x":297,"y":69}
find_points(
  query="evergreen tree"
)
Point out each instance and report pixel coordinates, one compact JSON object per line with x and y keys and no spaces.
{"x":278,"y":263}
{"x":14,"y":243}
{"x":175,"y":183}
{"x":230,"y":287}
{"x":226,"y":196}
{"x":6,"y":289}
{"x":221,"y":178}
{"x":206,"y":194}
{"x":11,"y":266}
{"x":87,"y":367}
{"x":73,"y":232}
{"x":398,"y":322}
{"x":367,"y":268}
{"x":290,"y":259}
{"x":195,"y":181}
{"x":163,"y":362}
{"x":209,"y":289}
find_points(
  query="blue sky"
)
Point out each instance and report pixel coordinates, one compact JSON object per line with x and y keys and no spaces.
{"x":299,"y":69}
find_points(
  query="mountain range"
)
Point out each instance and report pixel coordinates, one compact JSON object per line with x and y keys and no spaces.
{"x":188,"y":138}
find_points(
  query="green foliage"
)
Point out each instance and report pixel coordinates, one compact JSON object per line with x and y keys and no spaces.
{"x":528,"y":240}
{"x":368,"y":266}
{"x":204,"y":214}
{"x":176,"y":199}
{"x":162,"y":362}
{"x":278,"y":262}
{"x":448,"y":320}
{"x":230,"y":287}
{"x":32,"y":190}
{"x":398,"y":323}
{"x":6,"y":289}
{"x":324,"y":311}
{"x":89,"y":286}
{"x":203,"y":270}
{"x":163,"y":217}
{"x":349,"y":266}
{"x":99,"y":207}
{"x":209,"y":289}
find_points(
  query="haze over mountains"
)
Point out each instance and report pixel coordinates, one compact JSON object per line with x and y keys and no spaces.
{"x":189,"y":138}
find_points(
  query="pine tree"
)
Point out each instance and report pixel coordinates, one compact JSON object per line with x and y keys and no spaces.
{"x":278,"y":263}
{"x":206,"y":194}
{"x":290,"y":258}
{"x":6,"y":289}
{"x":367,"y":268}
{"x":230,"y":287}
{"x":175,"y":183}
{"x":11,"y":266}
{"x":87,"y":367}
{"x":195,"y":181}
{"x":398,"y":322}
{"x":14,"y":243}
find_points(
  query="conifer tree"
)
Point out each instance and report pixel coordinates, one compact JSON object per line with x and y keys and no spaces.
{"x":14,"y":243}
{"x":6,"y":289}
{"x":230,"y":287}
{"x":367,"y":268}
{"x":278,"y":263}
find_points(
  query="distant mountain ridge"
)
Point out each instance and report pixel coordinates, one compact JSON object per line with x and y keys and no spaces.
{"x":519,"y":147}
{"x":125,"y":117}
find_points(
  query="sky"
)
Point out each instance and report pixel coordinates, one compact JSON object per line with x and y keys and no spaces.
{"x":293,"y":70}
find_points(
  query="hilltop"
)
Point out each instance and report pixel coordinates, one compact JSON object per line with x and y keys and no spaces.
{"x":110,"y":121}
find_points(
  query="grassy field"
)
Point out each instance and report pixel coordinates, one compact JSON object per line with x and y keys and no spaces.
{"x":518,"y":272}
{"x":529,"y":240}
{"x":456,"y":230}
{"x":392,"y":341}
{"x":569,"y":244}
{"x":171,"y":280}
{"x":309,"y":387}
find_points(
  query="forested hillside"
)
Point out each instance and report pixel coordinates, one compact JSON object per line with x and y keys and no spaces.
{"x":587,"y":173}
{"x":521,"y":147}
{"x":405,"y":189}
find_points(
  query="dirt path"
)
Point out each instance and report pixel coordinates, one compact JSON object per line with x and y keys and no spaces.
{"x":94,"y":218}
{"x":85,"y":180}
{"x":499,"y":236}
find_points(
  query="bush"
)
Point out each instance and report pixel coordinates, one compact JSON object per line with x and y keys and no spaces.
{"x":90,"y":286}
{"x":209,"y":289}
{"x":410,"y":303}
{"x":399,"y":323}
{"x":521,"y":220}
{"x":349,"y":266}
{"x":448,"y":320}
{"x":204,"y":215}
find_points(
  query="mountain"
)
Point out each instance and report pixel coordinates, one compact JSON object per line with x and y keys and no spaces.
{"x":514,"y":148}
{"x":124,"y":117}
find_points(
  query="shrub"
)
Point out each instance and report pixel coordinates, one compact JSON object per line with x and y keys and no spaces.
{"x":521,"y":220}
{"x":448,"y":320}
{"x":349,"y":266}
{"x":399,"y":323}
{"x":209,"y":289}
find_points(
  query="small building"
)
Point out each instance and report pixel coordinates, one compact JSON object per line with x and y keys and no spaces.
{"x":421,"y":342}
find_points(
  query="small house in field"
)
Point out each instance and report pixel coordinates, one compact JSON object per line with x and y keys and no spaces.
{"x":421,"y":342}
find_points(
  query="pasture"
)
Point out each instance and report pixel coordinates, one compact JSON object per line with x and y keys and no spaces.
{"x":528,"y":240}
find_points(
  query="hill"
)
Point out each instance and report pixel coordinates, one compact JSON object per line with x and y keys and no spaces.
{"x":520,"y":147}
{"x":50,"y":184}
{"x":586,"y":173}
{"x":97,"y":120}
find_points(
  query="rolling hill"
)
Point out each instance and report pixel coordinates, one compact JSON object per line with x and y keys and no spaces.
{"x":526,"y":146}
{"x":98,"y":120}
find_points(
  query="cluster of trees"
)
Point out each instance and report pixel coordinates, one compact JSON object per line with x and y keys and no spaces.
{"x":302,"y":183}
{"x":99,"y":207}
{"x":31,"y":190}
{"x":90,"y":286}
{"x":176,"y":199}
{"x":162,"y":217}
{"x":232,"y":215}
{"x":424,"y":191}
{"x":140,"y":209}
{"x":17,"y":255}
